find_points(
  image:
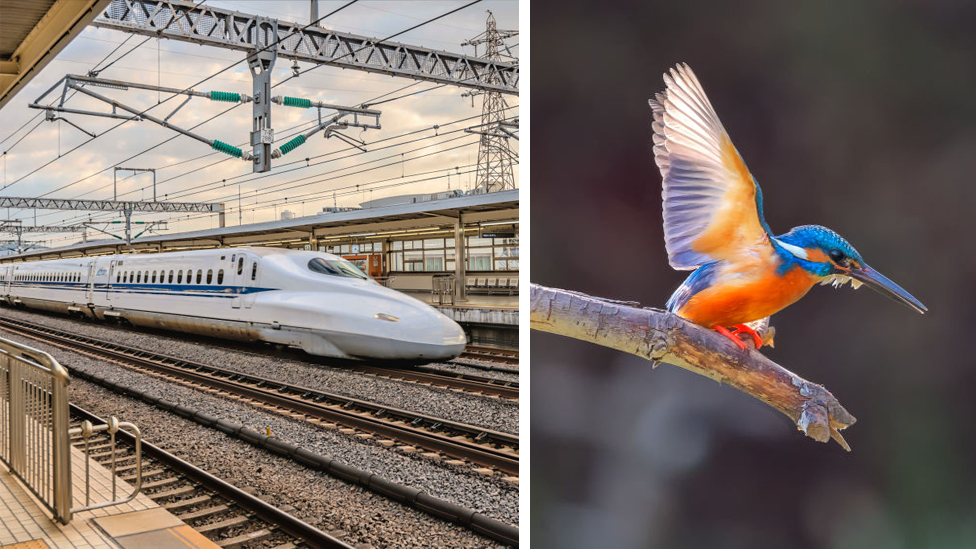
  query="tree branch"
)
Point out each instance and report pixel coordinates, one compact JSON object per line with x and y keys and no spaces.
{"x":660,"y":336}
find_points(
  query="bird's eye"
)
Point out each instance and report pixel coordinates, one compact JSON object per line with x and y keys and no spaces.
{"x":837,"y":255}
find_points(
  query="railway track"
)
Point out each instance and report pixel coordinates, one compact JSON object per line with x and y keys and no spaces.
{"x":477,"y":445}
{"x":223,"y":513}
{"x":442,"y":378}
{"x":494,"y":354}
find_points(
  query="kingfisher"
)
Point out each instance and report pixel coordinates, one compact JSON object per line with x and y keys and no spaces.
{"x":714,"y":225}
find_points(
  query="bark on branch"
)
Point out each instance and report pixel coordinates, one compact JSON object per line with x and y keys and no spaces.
{"x":663,"y":337}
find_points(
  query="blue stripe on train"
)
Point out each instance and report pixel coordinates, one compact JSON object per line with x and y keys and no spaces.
{"x":156,"y":289}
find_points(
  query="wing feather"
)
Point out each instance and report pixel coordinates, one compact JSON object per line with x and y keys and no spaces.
{"x":711,"y":206}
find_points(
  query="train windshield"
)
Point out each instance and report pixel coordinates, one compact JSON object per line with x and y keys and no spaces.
{"x":335,"y":267}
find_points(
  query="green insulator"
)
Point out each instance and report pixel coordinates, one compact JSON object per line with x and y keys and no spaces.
{"x":296,"y":102}
{"x":293,"y":144}
{"x":227,"y":149}
{"x":225,"y":96}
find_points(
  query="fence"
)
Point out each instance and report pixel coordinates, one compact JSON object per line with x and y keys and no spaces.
{"x":34,"y":435}
{"x":34,"y":422}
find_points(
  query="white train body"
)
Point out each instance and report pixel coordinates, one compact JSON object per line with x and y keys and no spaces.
{"x":316,"y":301}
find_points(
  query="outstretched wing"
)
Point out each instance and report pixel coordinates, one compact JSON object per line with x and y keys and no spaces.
{"x":712,"y":204}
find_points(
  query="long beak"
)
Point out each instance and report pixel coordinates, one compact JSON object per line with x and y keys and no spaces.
{"x":881,"y":284}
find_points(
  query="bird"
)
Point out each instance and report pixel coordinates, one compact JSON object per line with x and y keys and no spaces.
{"x":714,"y":226}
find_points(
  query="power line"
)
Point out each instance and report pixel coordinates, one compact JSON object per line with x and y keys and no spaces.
{"x":284,"y":81}
{"x":93,"y":69}
{"x":351,"y":2}
{"x":187,"y":192}
{"x":20,"y":128}
{"x":428,"y":21}
{"x":202,"y":186}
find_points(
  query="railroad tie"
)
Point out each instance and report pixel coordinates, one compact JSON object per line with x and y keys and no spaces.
{"x":229,"y":523}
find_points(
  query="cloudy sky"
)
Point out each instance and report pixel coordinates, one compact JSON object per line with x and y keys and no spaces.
{"x":406,"y":156}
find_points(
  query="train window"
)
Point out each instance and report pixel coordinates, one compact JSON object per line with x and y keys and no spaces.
{"x":254,"y":271}
{"x":199,"y":276}
{"x":154,"y":277}
{"x":220,"y":277}
{"x":118,"y":277}
{"x":171,"y":276}
{"x":179,"y":276}
{"x":139,"y":277}
{"x":240,"y":266}
{"x":209,"y":276}
{"x":335,"y":267}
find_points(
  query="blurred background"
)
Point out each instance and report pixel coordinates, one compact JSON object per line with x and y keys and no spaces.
{"x":860,"y":116}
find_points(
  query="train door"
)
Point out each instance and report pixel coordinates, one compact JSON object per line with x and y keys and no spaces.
{"x":237,"y":280}
{"x":250,"y":279}
{"x":90,"y":291}
{"x":111,"y":279}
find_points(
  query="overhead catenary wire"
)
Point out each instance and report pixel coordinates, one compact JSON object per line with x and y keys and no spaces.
{"x":312,"y":68}
{"x":275,"y":43}
{"x":182,"y":193}
{"x":352,"y":52}
{"x":235,"y":106}
{"x":94,"y":69}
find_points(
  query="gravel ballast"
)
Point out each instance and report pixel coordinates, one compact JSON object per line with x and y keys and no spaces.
{"x":492,"y":496}
{"x":348,"y":512}
{"x":490,"y":413}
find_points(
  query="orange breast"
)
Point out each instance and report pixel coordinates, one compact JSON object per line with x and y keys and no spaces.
{"x":743,"y":298}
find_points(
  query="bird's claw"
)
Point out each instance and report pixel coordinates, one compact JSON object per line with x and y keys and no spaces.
{"x":724,"y":331}
{"x":745,"y":329}
{"x":740,"y":329}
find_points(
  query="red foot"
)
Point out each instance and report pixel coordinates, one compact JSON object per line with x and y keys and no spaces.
{"x":743,"y":329}
{"x":735,"y":339}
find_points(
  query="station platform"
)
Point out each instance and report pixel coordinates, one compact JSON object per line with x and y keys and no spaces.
{"x":139,"y":524}
{"x":500,"y":310}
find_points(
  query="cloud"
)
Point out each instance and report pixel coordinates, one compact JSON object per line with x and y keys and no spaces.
{"x":188,"y":170}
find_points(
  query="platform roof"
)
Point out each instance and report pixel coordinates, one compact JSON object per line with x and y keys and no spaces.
{"x":397,"y":221}
{"x":33,"y":32}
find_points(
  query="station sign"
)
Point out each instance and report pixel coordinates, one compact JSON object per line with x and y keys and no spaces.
{"x":500,"y":231}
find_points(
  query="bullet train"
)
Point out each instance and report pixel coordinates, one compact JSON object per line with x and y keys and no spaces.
{"x":315,"y":301}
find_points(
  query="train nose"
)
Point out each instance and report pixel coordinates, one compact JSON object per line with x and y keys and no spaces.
{"x":437,"y":336}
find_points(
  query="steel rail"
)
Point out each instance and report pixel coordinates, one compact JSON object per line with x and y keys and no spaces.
{"x":498,"y":354}
{"x":443,"y":378}
{"x":289,"y":524}
{"x":311,"y":402}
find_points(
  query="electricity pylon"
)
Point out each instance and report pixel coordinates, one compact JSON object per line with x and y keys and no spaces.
{"x":494,"y":152}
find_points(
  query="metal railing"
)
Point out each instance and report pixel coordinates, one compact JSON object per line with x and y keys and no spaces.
{"x":113,"y":426}
{"x":35,"y":442}
{"x":34,"y":421}
{"x":442,"y":289}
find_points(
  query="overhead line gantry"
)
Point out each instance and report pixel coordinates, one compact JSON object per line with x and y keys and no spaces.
{"x":17,"y":227}
{"x":126,"y":207}
{"x":264,"y":39}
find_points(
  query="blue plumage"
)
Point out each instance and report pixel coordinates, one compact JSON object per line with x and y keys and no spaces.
{"x":697,"y":281}
{"x":816,"y":237}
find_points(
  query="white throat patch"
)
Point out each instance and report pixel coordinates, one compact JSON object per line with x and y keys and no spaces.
{"x":795,"y":250}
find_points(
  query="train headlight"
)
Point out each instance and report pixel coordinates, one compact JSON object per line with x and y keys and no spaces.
{"x":384,"y":316}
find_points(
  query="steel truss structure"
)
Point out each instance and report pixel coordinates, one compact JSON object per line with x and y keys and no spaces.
{"x":108,"y":205}
{"x":207,"y":25}
{"x":127,"y":208}
{"x":15,"y":226}
{"x":495,"y":172}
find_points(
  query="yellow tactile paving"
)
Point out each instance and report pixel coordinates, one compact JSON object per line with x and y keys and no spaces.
{"x":33,"y":544}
